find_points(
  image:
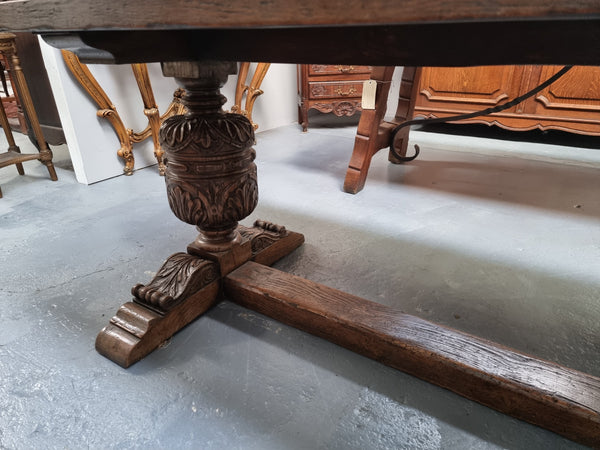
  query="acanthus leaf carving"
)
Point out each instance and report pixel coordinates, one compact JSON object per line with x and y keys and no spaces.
{"x":213,"y":204}
{"x":206,"y":132}
{"x":263,"y":234}
{"x":179,"y":277}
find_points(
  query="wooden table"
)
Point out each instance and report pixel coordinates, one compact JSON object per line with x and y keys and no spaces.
{"x":211,"y":177}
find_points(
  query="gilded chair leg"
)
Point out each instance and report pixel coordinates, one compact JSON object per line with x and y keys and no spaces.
{"x":9,"y":49}
{"x":106,"y":109}
{"x":252,"y":91}
{"x":140,"y":72}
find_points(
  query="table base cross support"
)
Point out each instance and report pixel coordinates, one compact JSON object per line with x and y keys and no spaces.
{"x":184,"y":288}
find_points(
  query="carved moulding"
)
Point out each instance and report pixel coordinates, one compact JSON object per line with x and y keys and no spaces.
{"x":211,"y":177}
{"x":211,"y":183}
{"x":318,"y":68}
{"x":344,"y":108}
{"x":318,"y":91}
{"x":180,"y":276}
{"x":185,"y":287}
{"x":263,"y":235}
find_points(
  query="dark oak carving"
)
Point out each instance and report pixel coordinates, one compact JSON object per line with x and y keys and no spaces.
{"x":210,"y":176}
{"x":180,"y":276}
{"x":263,"y":234}
{"x":211,"y":183}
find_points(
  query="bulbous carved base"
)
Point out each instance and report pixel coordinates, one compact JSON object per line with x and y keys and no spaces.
{"x":210,"y":175}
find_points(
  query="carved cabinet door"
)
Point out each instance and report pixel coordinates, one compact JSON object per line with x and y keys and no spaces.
{"x":570,"y":104}
{"x":574,"y":97}
{"x":463,"y":89}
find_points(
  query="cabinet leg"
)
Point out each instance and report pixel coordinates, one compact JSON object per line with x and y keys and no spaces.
{"x":303,"y":116}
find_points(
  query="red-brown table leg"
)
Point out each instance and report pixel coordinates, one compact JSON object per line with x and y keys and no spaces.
{"x":373,"y":132}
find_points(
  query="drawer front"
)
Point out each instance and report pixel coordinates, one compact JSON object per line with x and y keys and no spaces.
{"x":332,"y":89}
{"x":317,"y":69}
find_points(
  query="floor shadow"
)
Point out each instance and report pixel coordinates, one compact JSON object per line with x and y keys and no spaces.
{"x":552,"y":137}
{"x":572,"y":189}
{"x":319,"y":120}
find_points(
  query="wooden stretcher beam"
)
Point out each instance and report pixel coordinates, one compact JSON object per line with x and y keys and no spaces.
{"x":551,"y":396}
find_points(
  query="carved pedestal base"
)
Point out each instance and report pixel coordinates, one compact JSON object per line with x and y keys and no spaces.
{"x":211,"y":183}
{"x":185,"y":287}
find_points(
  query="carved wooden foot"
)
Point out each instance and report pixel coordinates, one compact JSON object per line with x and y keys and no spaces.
{"x":184,"y":288}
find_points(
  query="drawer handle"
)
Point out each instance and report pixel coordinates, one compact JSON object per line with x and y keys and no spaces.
{"x":345,"y":69}
{"x":351,"y":91}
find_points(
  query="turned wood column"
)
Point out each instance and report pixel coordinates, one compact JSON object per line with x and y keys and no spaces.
{"x":210,"y":174}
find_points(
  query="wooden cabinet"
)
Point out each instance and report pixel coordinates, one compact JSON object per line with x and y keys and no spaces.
{"x":330,"y":89}
{"x":570,"y":104}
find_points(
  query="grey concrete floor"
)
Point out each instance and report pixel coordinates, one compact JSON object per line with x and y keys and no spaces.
{"x":497,"y":238}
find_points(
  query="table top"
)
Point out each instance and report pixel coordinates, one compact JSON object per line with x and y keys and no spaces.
{"x":44,"y":15}
{"x":375,"y":32}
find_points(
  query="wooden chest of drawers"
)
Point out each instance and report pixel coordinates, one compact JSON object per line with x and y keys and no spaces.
{"x":330,"y":89}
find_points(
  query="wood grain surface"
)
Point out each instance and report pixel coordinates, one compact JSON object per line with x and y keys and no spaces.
{"x":158,"y":14}
{"x":540,"y":392}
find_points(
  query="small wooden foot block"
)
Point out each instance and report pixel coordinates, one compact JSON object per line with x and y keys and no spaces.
{"x":135,"y":331}
{"x":270,"y":242}
{"x":557,"y":398}
{"x":185,"y":287}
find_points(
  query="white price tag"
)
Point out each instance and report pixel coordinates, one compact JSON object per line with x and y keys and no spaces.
{"x":368,"y":94}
